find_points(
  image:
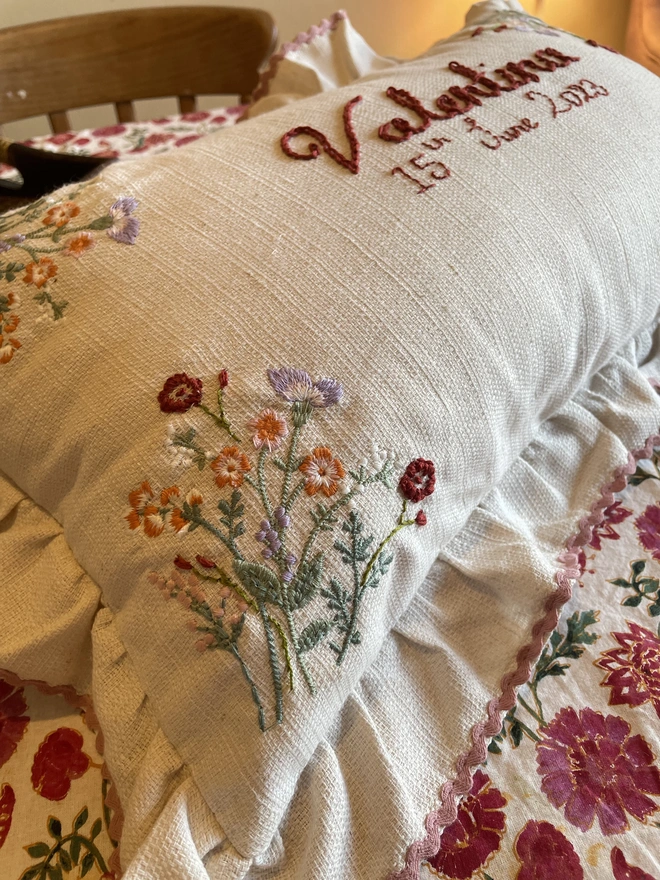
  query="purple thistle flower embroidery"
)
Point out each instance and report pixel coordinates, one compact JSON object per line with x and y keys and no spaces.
{"x":296,"y":386}
{"x":4,"y":246}
{"x":124,"y":227}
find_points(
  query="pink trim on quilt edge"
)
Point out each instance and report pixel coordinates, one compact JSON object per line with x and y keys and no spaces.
{"x":84,"y":702}
{"x":483,"y":731}
{"x":303,"y":38}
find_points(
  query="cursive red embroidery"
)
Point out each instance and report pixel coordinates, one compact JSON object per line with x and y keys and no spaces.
{"x":314,"y":150}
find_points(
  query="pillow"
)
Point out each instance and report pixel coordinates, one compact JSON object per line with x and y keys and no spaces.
{"x":261,"y":383}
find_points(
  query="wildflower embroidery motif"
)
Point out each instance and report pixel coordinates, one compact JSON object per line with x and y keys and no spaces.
{"x":29,"y":256}
{"x":277,"y":568}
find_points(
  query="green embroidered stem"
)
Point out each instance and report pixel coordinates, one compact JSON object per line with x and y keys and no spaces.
{"x":288,"y":473}
{"x":401,"y":524}
{"x":293,"y":497}
{"x":323,"y":522}
{"x":285,"y":648}
{"x":274,"y":662}
{"x":253,"y":687}
{"x":89,"y":845}
{"x":223,"y":417}
{"x":220,"y":420}
{"x":262,"y":483}
{"x":229,"y":542}
{"x":535,"y":715}
{"x":309,"y":681}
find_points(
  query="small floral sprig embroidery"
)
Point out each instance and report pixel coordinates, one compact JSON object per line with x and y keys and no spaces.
{"x":78,"y":848}
{"x":258,"y":573}
{"x":29,"y":255}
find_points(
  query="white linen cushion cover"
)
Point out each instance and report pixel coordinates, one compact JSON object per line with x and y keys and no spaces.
{"x":457,"y":320}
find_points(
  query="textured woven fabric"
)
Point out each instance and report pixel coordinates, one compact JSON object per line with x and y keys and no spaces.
{"x":459,"y":314}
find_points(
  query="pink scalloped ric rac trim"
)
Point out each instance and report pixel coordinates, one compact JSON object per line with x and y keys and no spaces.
{"x":482,"y":732}
{"x":303,"y":38}
{"x":84,"y":702}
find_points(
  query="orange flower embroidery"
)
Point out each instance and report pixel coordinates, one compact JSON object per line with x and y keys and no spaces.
{"x":80,"y":244}
{"x":153,"y":521}
{"x":230,"y":467}
{"x":39,"y":273}
{"x":322,"y":472}
{"x":60,"y":215}
{"x":269,"y":429}
{"x":7,"y":349}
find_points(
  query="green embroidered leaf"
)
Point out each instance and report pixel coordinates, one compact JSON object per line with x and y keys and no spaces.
{"x":654,"y":610}
{"x":87,"y":864}
{"x":638,"y":567}
{"x":54,"y":827}
{"x":338,"y":600}
{"x":620,"y":582}
{"x":516,"y":733}
{"x":80,"y":819}
{"x":314,"y":633}
{"x":104,"y":222}
{"x":54,"y":872}
{"x":75,"y":850}
{"x":306,"y":582}
{"x":558,"y":668}
{"x":259,"y":581}
{"x":96,"y":829}
{"x":379,"y":569}
{"x":633,"y":601}
{"x":648,"y":585}
{"x":31,"y":873}
{"x":38,"y":850}
{"x":65,"y":860}
{"x":493,"y":748}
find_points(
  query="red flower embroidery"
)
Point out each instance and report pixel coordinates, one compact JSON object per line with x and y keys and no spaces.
{"x":13,"y":721}
{"x":58,"y":760}
{"x":614,"y":514}
{"x":475,"y":836}
{"x":109,"y":130}
{"x":623,"y":871}
{"x":648,"y":529}
{"x":418,"y":481}
{"x":545,"y":854}
{"x":593,"y":767}
{"x":7,"y":801}
{"x":179,"y":393}
{"x":634,"y":668}
{"x":223,"y":378}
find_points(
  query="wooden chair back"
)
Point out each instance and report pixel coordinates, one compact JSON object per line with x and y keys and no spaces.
{"x":118,"y":57}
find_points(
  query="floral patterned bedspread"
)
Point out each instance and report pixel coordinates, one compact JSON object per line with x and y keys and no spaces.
{"x":571,"y":789}
{"x":129,"y":140}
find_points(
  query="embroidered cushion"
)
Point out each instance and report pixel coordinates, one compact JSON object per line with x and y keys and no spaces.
{"x":261,"y":383}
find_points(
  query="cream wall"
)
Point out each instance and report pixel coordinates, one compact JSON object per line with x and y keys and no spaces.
{"x":393,"y":27}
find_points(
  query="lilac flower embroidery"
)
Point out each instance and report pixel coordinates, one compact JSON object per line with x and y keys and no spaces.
{"x":124,"y":227}
{"x":296,"y":386}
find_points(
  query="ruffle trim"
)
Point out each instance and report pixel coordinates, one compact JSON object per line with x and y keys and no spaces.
{"x":303,"y":39}
{"x":453,"y":790}
{"x":84,"y":703}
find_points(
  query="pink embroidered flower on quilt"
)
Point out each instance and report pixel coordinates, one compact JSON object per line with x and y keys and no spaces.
{"x":58,"y":760}
{"x":13,"y":720}
{"x":418,"y":480}
{"x":179,"y":393}
{"x":594,"y":767}
{"x":623,"y":871}
{"x":269,"y":429}
{"x":545,"y":853}
{"x":614,"y":514}
{"x":7,"y":803}
{"x":634,"y":668}
{"x":230,"y":467}
{"x":648,"y":529}
{"x":322,"y":472}
{"x":471,"y":841}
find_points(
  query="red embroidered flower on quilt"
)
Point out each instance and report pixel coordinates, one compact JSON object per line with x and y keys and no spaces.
{"x":180,"y":392}
{"x":614,"y":514}
{"x":623,"y":871}
{"x":648,"y":529}
{"x":418,"y":480}
{"x":634,"y":668}
{"x":58,"y":760}
{"x":545,"y":854}
{"x":7,"y":802}
{"x":475,"y":836}
{"x":13,"y":721}
{"x":593,"y":766}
